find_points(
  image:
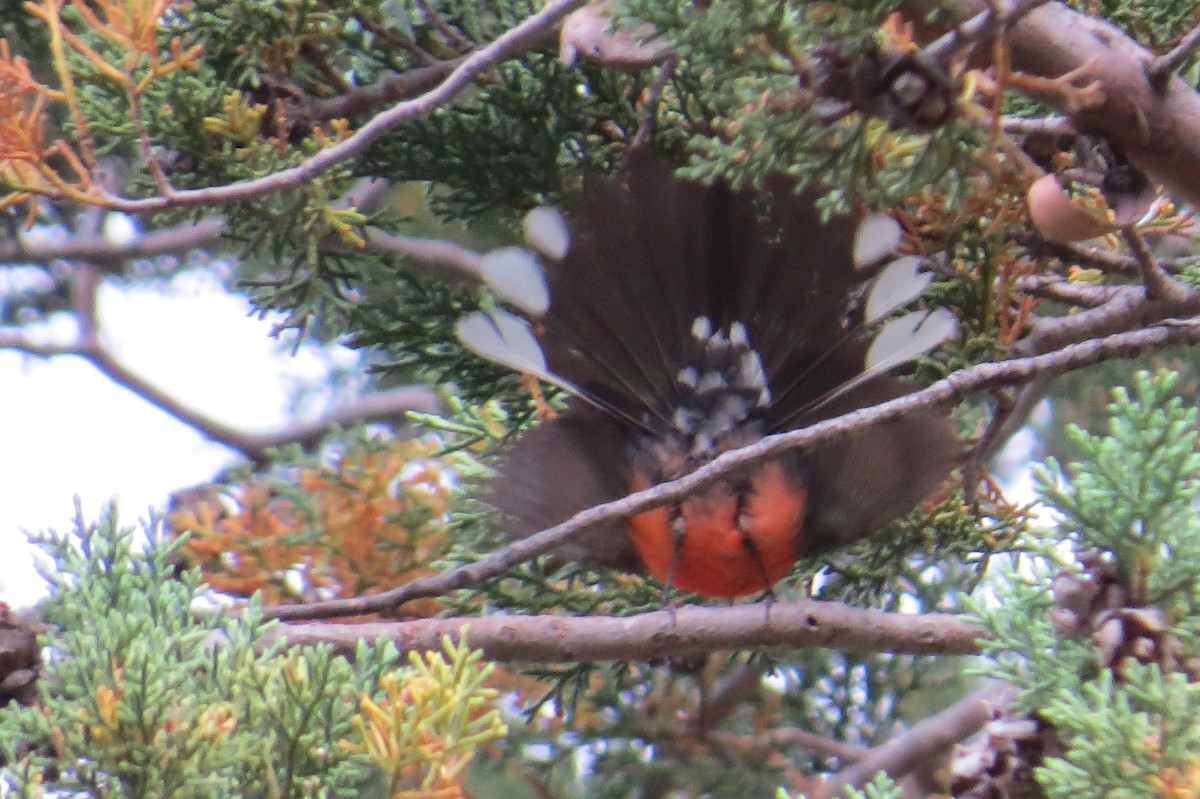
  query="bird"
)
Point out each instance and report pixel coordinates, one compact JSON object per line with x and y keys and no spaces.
{"x":686,"y":320}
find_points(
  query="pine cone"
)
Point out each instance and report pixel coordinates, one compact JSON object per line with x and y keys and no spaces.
{"x":999,"y":762}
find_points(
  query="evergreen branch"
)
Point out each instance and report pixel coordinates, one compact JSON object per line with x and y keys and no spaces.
{"x":683,"y":632}
{"x":530,"y":33}
{"x":956,"y":386}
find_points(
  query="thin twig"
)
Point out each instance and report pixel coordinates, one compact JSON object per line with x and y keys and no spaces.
{"x":650,"y":101}
{"x":444,"y":259}
{"x":771,"y":741}
{"x":736,"y":688}
{"x":389,"y":406}
{"x":362,"y":100}
{"x":956,"y":386}
{"x":1079,"y":295}
{"x":989,"y":442}
{"x":1056,"y":126}
{"x":112,"y":257}
{"x":1163,"y":67}
{"x":451,"y":34}
{"x":977,"y":27}
{"x":1159,"y":285}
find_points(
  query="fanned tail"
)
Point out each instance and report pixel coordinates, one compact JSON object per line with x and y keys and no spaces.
{"x":649,"y":256}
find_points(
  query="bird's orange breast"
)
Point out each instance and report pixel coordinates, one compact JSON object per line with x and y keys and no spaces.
{"x":731,"y":544}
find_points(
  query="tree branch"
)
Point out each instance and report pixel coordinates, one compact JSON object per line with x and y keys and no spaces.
{"x":390,"y":406}
{"x":1163,"y":67}
{"x":528,"y":34}
{"x":443,"y":259}
{"x":956,"y":386}
{"x":1129,"y":309}
{"x":111,"y":257}
{"x":1159,"y":284}
{"x":769,"y":742}
{"x":1156,"y":128}
{"x":1053,"y":287}
{"x":363,"y":99}
{"x":927,"y":739}
{"x":687,"y":631}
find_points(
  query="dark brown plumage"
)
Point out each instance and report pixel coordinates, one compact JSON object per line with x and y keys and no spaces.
{"x":649,"y":256}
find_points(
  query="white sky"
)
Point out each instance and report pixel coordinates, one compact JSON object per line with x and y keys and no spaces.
{"x":65,"y":429}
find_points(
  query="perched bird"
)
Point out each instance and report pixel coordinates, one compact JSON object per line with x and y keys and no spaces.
{"x":688,"y":320}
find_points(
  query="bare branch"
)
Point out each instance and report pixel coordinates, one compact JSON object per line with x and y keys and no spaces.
{"x":956,"y":386}
{"x":1159,"y":285}
{"x":364,"y":99}
{"x":771,"y":741}
{"x":1128,"y":309}
{"x":1095,"y":257}
{"x":927,"y":739}
{"x":1166,"y":65}
{"x":684,"y":632}
{"x":737,"y":687}
{"x":1080,"y":295}
{"x":443,"y":259}
{"x":968,"y":33}
{"x":390,"y":406}
{"x":110,"y":256}
{"x":17,"y":341}
{"x":1060,"y":126}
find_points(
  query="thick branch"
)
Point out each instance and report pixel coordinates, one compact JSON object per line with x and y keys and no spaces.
{"x":1156,"y":128}
{"x":956,"y":386}
{"x":666,"y":633}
